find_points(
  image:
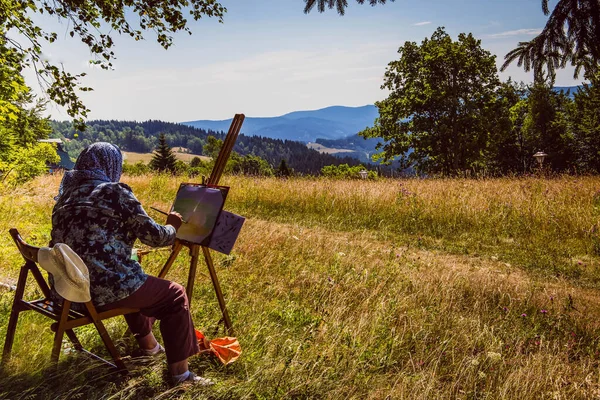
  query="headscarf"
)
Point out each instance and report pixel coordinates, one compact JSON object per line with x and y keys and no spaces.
{"x":99,"y":161}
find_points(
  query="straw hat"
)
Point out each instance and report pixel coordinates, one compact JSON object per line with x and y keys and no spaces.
{"x":71,"y":276}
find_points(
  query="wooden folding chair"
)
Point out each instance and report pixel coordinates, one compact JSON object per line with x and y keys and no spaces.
{"x":66,"y":318}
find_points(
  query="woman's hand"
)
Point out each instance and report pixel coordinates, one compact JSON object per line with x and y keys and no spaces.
{"x":174,"y":219}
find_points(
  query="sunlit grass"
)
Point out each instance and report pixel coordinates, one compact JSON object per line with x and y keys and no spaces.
{"x":338,"y":289}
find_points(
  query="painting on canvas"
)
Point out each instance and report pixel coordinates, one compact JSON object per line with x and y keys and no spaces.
{"x":200,"y":207}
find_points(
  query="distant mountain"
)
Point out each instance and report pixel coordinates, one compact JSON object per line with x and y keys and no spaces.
{"x":306,"y":126}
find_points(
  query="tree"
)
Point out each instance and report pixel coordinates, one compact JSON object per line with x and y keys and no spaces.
{"x":507,"y":151}
{"x":571,"y":35}
{"x":585,"y":123}
{"x":438,"y":116}
{"x":545,"y":126}
{"x":21,"y":124}
{"x":196,"y":162}
{"x":212,"y":147}
{"x":344,"y":171}
{"x":283,"y":170}
{"x":27,"y":162}
{"x":195,"y":145}
{"x":340,"y":5}
{"x":250,"y":165}
{"x":94,"y":22}
{"x":163,"y":159}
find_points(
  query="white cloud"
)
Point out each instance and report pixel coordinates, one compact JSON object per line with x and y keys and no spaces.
{"x":263,"y":84}
{"x":422,"y":23}
{"x":517,"y":32}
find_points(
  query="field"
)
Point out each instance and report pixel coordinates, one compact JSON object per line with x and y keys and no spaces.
{"x":133,"y":158}
{"x":390,"y":289}
{"x":327,"y":150}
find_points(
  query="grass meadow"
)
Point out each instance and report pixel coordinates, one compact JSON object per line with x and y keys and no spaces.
{"x":390,"y":289}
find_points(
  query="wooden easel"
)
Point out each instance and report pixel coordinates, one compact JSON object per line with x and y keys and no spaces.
{"x":215,"y":176}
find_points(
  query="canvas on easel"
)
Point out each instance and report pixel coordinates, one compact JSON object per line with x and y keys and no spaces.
{"x":200,"y":207}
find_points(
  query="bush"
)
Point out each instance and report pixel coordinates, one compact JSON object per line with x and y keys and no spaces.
{"x":136,"y":169}
{"x":198,"y":171}
{"x":344,"y":171}
{"x":181,"y":168}
{"x":250,"y":165}
{"x":25,"y":163}
{"x":196,"y":162}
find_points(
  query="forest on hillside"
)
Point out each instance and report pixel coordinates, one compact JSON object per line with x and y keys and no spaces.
{"x":142,"y":137}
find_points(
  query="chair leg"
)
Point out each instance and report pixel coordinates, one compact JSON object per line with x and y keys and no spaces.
{"x":73,"y":338}
{"x":14,"y":315}
{"x":60,"y":331}
{"x":105,"y":337}
{"x":10,"y":336}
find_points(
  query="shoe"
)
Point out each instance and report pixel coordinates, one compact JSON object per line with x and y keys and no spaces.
{"x":194,"y":379}
{"x":138,"y":353}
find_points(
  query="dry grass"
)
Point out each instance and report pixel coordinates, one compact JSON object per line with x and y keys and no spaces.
{"x":363,"y":290}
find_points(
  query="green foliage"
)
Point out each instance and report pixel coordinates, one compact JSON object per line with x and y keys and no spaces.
{"x":506,"y":151}
{"x":283,"y":171}
{"x":20,"y":114}
{"x":94,"y":23}
{"x":249,"y":165}
{"x":196,"y":162}
{"x":585,"y":123}
{"x":195,"y":145}
{"x":163,"y":160}
{"x":571,"y":35}
{"x":27,"y":162}
{"x":212,"y":147}
{"x":344,"y":171}
{"x":21,"y":124}
{"x":181,"y":167}
{"x":441,"y":105}
{"x":340,"y":5}
{"x":12,"y":84}
{"x":545,"y":126}
{"x":137,"y":169}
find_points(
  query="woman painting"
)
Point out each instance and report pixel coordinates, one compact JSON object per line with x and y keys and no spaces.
{"x":100,"y":219}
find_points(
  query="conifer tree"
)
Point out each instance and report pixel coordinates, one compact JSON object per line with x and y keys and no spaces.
{"x":571,"y":35}
{"x":163,"y":159}
{"x":283,"y":170}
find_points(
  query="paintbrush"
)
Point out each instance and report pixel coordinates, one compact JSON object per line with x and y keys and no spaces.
{"x":166,"y":213}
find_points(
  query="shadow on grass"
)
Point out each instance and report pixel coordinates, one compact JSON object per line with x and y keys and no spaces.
{"x":79,"y":377}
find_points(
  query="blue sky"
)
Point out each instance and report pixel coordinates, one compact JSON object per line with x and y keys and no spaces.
{"x":269,"y":58}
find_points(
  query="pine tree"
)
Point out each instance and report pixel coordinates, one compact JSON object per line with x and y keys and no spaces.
{"x":571,"y":35}
{"x":283,"y":170}
{"x":163,"y":159}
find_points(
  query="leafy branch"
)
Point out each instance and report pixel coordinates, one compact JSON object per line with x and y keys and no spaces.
{"x":339,"y":5}
{"x":571,"y":35}
{"x":86,"y":20}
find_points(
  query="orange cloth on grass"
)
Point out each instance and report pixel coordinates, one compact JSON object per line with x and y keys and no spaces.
{"x":226,"y":349}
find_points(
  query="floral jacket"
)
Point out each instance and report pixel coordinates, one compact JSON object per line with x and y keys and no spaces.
{"x":100,"y":221}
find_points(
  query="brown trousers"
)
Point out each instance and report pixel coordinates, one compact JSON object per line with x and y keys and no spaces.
{"x":166,"y":301}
